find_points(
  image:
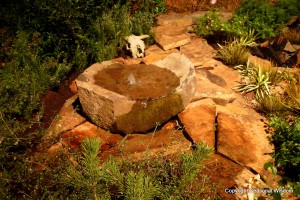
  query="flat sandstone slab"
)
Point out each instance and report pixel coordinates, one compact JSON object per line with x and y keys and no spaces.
{"x":167,"y":42}
{"x":244,"y":140}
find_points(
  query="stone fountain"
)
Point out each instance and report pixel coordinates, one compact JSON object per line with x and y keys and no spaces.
{"x":136,"y":98}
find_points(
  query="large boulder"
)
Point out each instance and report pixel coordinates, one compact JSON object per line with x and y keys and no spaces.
{"x":136,"y":98}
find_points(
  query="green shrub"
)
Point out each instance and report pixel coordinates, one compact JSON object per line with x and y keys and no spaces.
{"x":26,"y":76}
{"x":154,"y":7}
{"x":158,"y":179}
{"x":261,"y":16}
{"x":211,"y":24}
{"x":232,"y":53}
{"x":141,"y":23}
{"x":291,"y":7}
{"x":59,"y":37}
{"x":258,"y":15}
{"x":287,"y":148}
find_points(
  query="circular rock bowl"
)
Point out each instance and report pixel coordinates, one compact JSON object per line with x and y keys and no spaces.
{"x":136,"y":98}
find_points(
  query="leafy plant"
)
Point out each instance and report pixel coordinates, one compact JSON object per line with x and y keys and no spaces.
{"x":261,"y":16}
{"x":286,"y":139}
{"x":153,"y":6}
{"x":25,"y":78}
{"x":291,"y":7}
{"x":210,"y":24}
{"x":265,"y":19}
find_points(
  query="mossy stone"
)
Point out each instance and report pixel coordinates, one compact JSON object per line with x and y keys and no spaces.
{"x":146,"y":115}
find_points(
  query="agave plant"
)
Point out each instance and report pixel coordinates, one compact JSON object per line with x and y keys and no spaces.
{"x":256,"y":81}
{"x":249,"y":39}
{"x":245,"y":70}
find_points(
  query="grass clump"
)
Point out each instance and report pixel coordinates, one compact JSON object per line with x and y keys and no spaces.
{"x":236,"y":52}
{"x":232,"y":53}
{"x":270,"y":104}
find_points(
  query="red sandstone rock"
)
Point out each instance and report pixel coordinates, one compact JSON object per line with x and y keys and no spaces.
{"x":199,"y":123}
{"x":73,"y":87}
{"x":73,"y":138}
{"x":67,"y":119}
{"x":243,"y":139}
{"x":197,"y":51}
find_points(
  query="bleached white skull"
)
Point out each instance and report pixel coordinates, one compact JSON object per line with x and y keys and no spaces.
{"x":136,"y":45}
{"x":213,"y":1}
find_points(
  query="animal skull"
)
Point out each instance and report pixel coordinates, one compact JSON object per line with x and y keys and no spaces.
{"x":136,"y":45}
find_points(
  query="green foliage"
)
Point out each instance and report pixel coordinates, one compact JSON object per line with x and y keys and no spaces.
{"x":26,"y":77}
{"x":71,"y":35}
{"x":258,"y":15}
{"x":107,"y":34}
{"x":153,"y":6}
{"x":140,"y":186}
{"x":210,"y":24}
{"x":261,"y":16}
{"x":291,"y":7}
{"x":141,"y":23}
{"x":286,"y":139}
{"x":161,"y":179}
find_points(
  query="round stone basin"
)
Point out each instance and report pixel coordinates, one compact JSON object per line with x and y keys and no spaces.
{"x":138,"y":82}
{"x":136,"y":98}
